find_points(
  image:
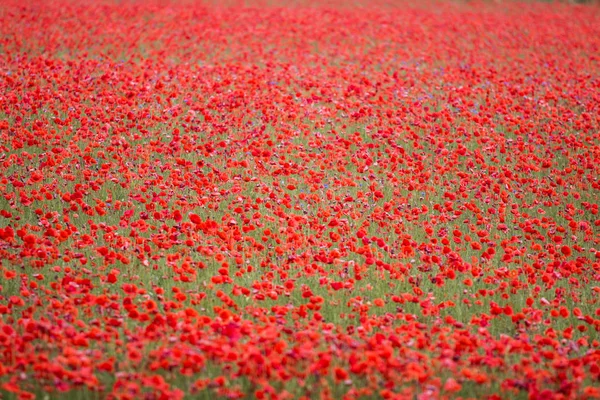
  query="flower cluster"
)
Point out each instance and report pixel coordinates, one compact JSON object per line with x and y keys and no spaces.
{"x":317,"y":200}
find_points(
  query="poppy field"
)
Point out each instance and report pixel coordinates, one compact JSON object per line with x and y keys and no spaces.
{"x":299,"y":200}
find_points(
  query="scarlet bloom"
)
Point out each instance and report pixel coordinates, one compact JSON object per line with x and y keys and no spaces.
{"x":340,"y":374}
{"x":452,"y":386}
{"x":195,"y":218}
{"x":150,"y":305}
